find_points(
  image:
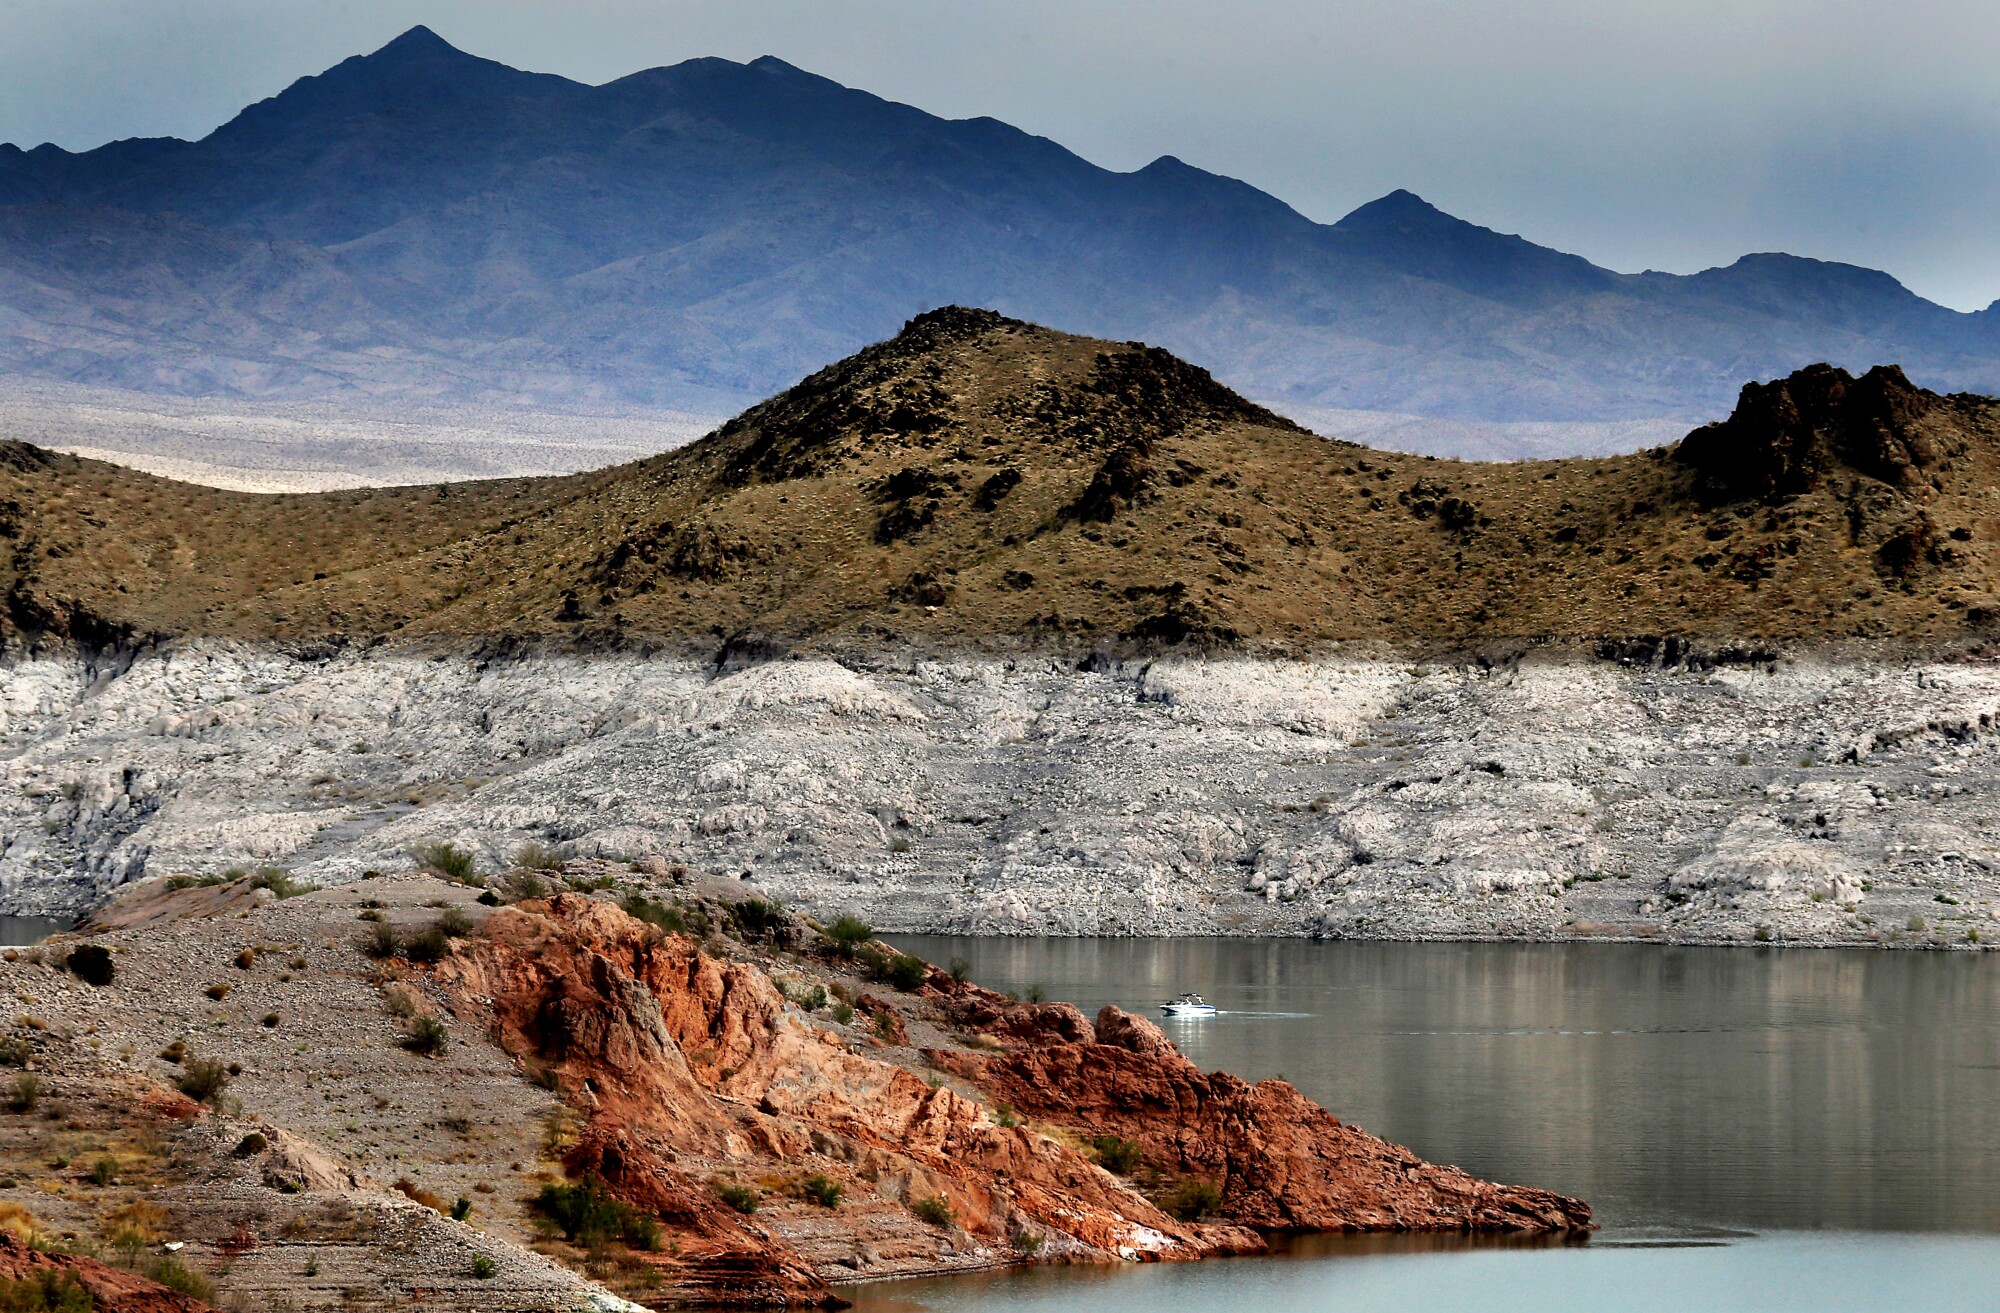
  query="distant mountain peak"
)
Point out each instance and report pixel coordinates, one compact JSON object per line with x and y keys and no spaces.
{"x":1399,"y":209}
{"x":417,"y":39}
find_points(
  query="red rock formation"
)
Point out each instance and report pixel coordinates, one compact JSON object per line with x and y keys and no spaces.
{"x":1280,"y":1161}
{"x":111,"y":1290}
{"x":692,"y":1069}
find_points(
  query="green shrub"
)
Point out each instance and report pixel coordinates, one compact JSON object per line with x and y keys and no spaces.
{"x":198,"y":881}
{"x":487,"y":898}
{"x":843,"y":1013}
{"x":251,"y":1145}
{"x":756,"y":918}
{"x":427,"y":946}
{"x":936,"y":1210}
{"x":455,"y":922}
{"x":848,"y":933}
{"x":740,"y":1197}
{"x":907,"y":973}
{"x":483,"y":1267}
{"x":104,"y":1172}
{"x":447,"y":859}
{"x":871,"y":961}
{"x":426,"y":1035}
{"x":1914,"y":924}
{"x":92,"y":964}
{"x":202,"y":1079}
{"x":461,"y":1208}
{"x":1036,"y":994}
{"x":960,"y":969}
{"x":1194,"y":1200}
{"x":378,"y":940}
{"x":588,"y":1215}
{"x":822,"y":1191}
{"x":47,"y":1291}
{"x":537,"y":857}
{"x":15,"y":1051}
{"x":658,"y":914}
{"x":177,"y":1276}
{"x":280,"y":882}
{"x":1004,"y":1115}
{"x":24,"y":1093}
{"x":1115,"y":1155}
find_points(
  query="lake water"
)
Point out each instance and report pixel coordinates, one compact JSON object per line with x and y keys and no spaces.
{"x":20,"y":931}
{"x":1757,"y":1128}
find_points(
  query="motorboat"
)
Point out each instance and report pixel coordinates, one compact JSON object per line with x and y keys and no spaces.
{"x":1188,"y":1005}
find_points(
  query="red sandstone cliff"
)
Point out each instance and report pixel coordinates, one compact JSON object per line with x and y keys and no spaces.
{"x":693,"y":1073}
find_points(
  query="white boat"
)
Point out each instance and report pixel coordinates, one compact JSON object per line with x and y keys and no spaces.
{"x":1189,"y":1005}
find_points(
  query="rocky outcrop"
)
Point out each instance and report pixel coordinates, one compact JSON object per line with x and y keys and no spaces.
{"x":693,"y":1072}
{"x":1277,"y":1160}
{"x":1789,"y":435}
{"x":111,"y":1289}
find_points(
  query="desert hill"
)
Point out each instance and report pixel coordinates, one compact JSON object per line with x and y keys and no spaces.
{"x":423,"y":224}
{"x":979,"y":480}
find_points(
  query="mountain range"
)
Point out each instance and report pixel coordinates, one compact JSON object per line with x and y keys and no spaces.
{"x":422,"y":224}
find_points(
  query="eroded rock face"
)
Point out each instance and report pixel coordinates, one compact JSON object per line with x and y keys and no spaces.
{"x":1278,"y":1160}
{"x":691,"y":1071}
{"x":1543,"y":796}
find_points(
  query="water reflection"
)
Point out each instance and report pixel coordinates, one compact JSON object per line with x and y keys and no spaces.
{"x":1674,"y":1088}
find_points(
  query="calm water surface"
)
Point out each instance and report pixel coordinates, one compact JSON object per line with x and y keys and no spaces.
{"x":1756,"y":1128}
{"x":20,"y":931}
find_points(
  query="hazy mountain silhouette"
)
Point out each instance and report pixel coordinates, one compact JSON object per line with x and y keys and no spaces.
{"x":422,"y":222}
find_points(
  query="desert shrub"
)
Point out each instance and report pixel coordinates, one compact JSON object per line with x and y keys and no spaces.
{"x":447,"y":859}
{"x":757,"y":918}
{"x":740,"y":1197}
{"x":487,"y":898}
{"x":280,"y":882}
{"x":400,"y":1003}
{"x":906,"y":972}
{"x":885,"y":1026}
{"x":378,"y":940}
{"x":1914,"y":924}
{"x":843,"y":1013}
{"x":847,"y":933}
{"x":1115,"y":1155}
{"x":201,"y":1079}
{"x":1004,"y":1115}
{"x":426,"y":1035}
{"x":658,"y":914}
{"x":427,"y":946}
{"x":960,"y":969}
{"x":15,"y":1051}
{"x":218,"y":991}
{"x":1036,"y":994}
{"x":455,"y":922}
{"x":269,"y":1021}
{"x":1194,"y":1200}
{"x":483,"y":1267}
{"x":251,"y":1145}
{"x":935,"y":1211}
{"x":246,"y":959}
{"x":871,"y":961}
{"x":103,"y":1172}
{"x":92,"y":964}
{"x":179,"y":1277}
{"x":822,"y":1191}
{"x":24,"y":1093}
{"x":588,"y":1215}
{"x":537,"y":857}
{"x":461,"y":1208}
{"x":47,"y":1291}
{"x":178,"y":882}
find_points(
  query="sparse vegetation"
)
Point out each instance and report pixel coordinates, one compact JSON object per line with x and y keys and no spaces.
{"x":960,"y":969}
{"x":934,"y":1211}
{"x":425,"y":1035}
{"x":757,"y":918}
{"x":1191,"y":1201}
{"x":1115,"y":1155}
{"x":587,"y":1214}
{"x":848,"y":933}
{"x":44,"y":1292}
{"x":448,"y":860}
{"x":202,"y":1079}
{"x":740,"y":1197}
{"x":537,"y":857}
{"x":24,"y":1092}
{"x":280,"y":882}
{"x":658,"y":914}
{"x":483,"y":1268}
{"x":907,"y":973}
{"x":822,"y":1191}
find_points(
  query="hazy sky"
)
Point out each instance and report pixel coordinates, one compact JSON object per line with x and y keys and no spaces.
{"x":1666,"y":134}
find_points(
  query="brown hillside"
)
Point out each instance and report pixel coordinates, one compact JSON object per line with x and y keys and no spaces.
{"x":981,"y":479}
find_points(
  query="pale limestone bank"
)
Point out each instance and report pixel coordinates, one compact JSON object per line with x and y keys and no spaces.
{"x":1812,"y":798}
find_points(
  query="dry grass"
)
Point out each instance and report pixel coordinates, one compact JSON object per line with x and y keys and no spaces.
{"x":994,"y":482}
